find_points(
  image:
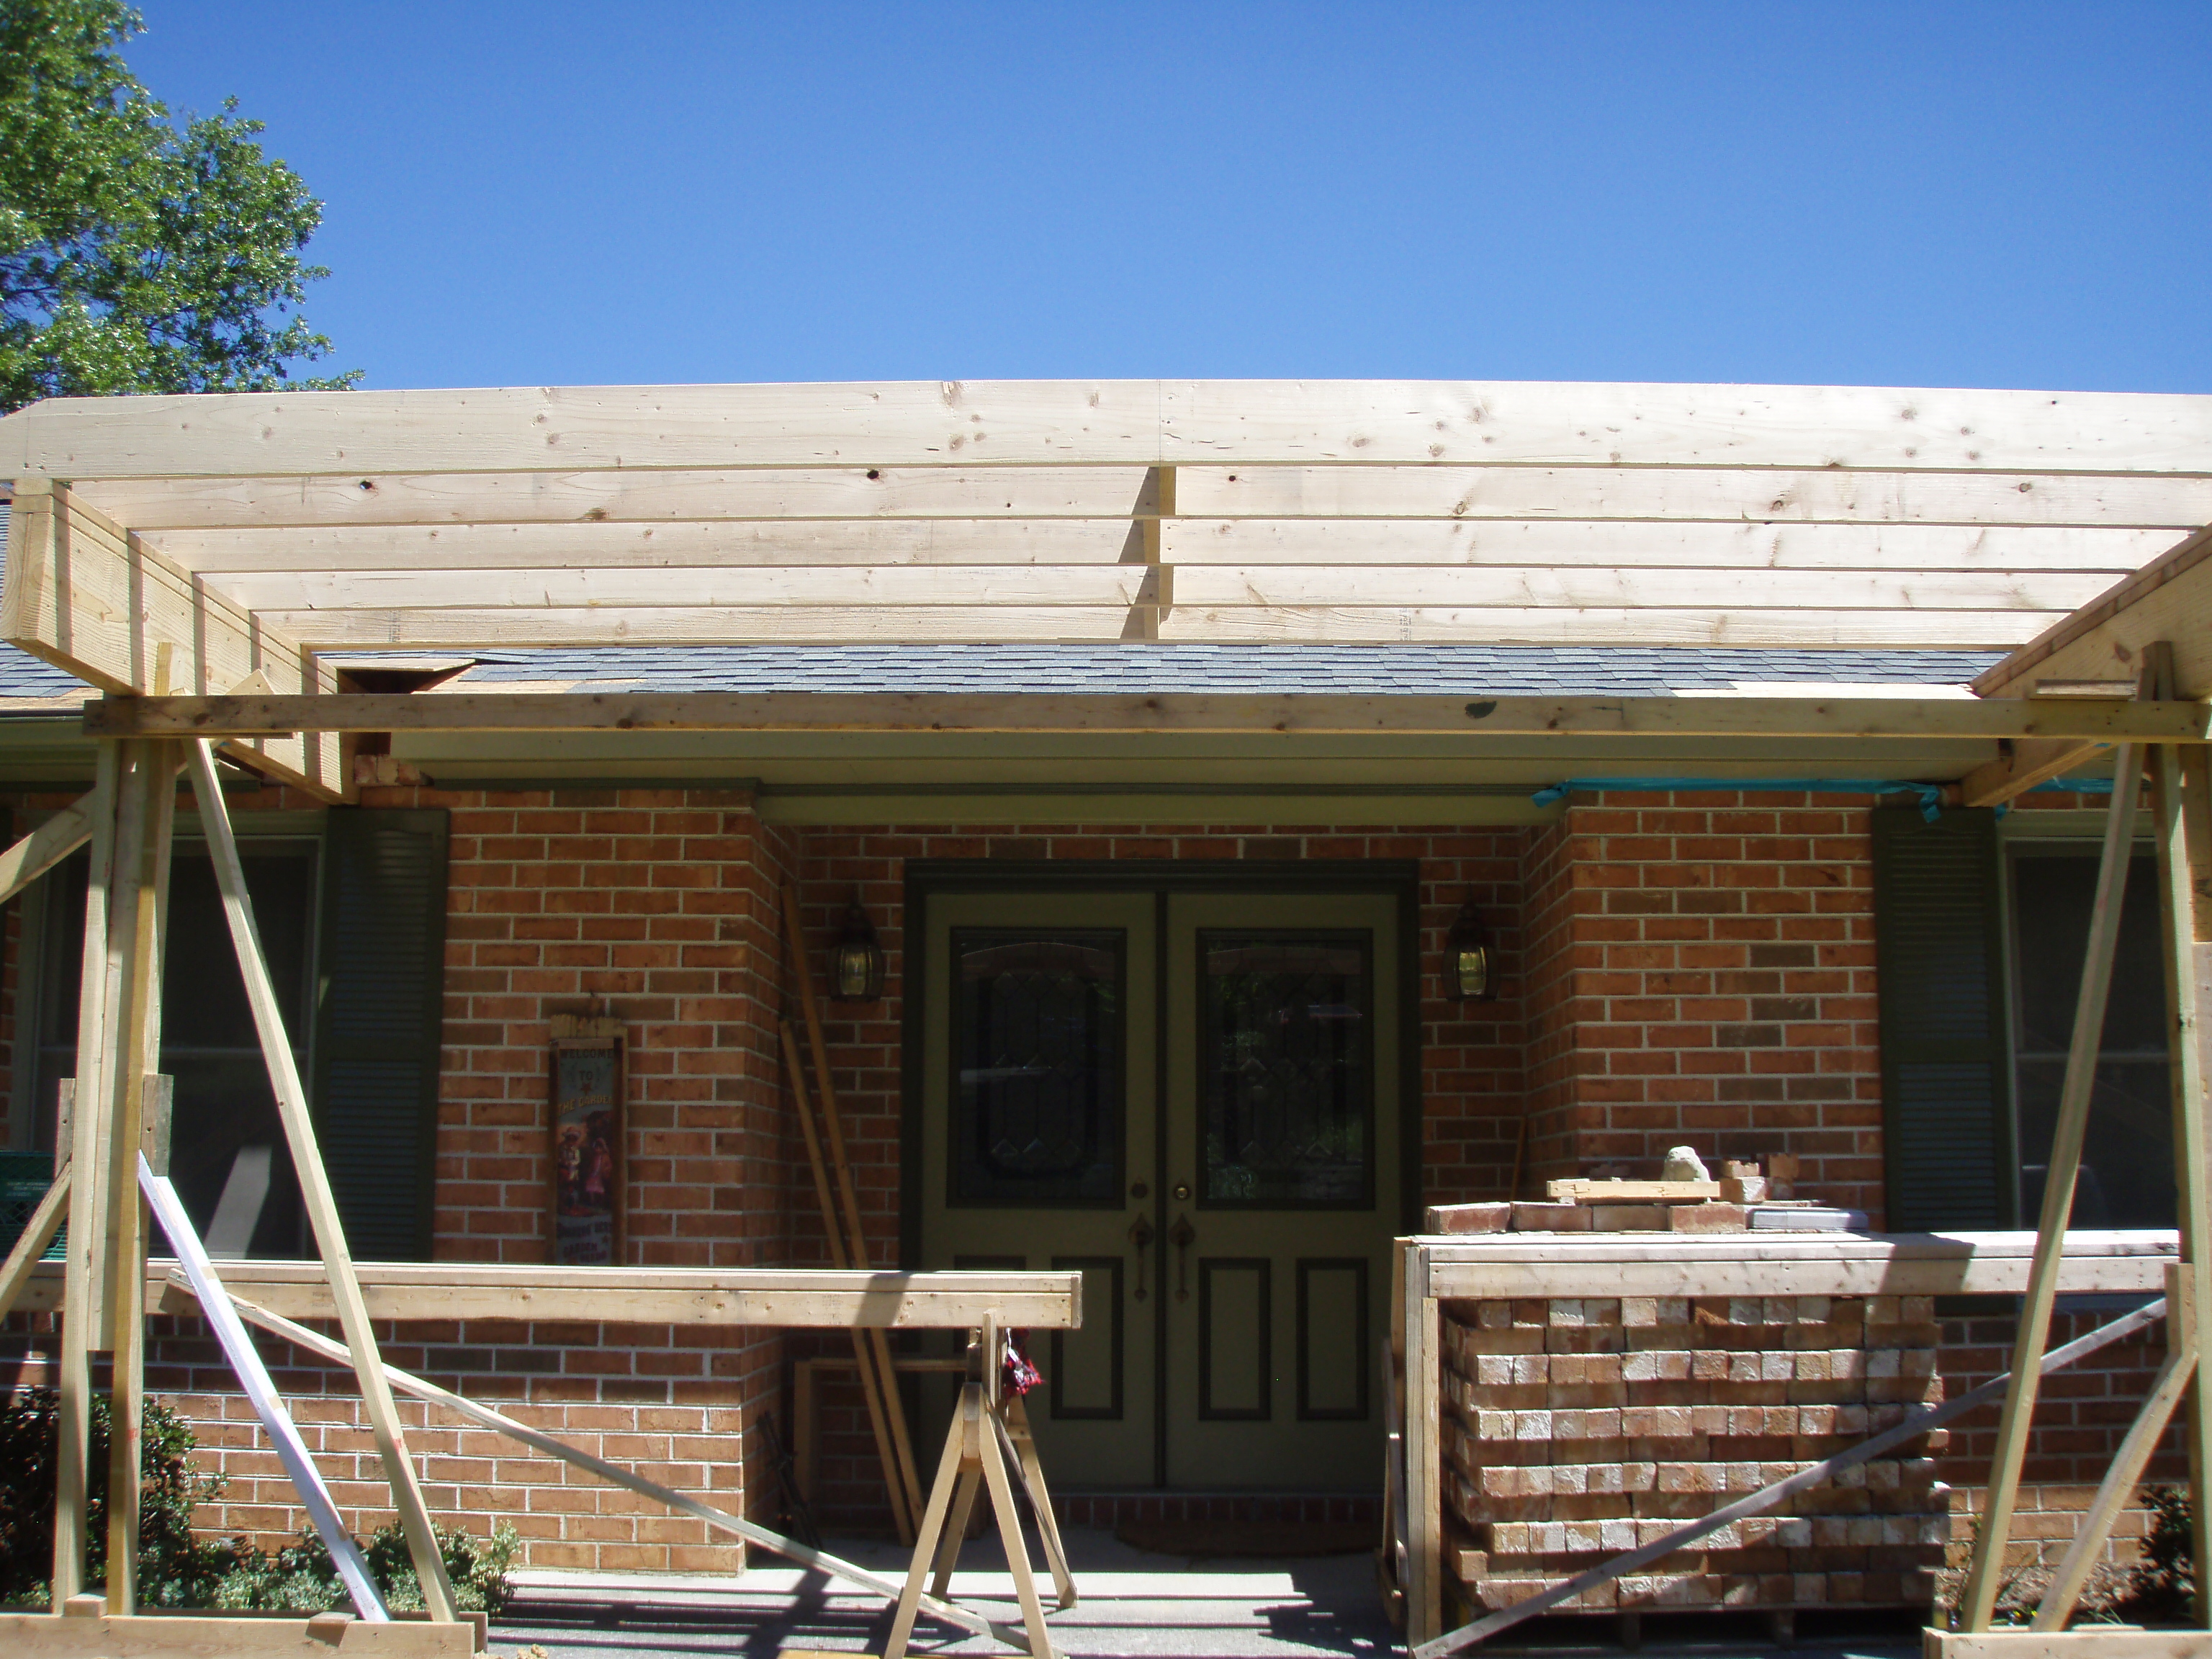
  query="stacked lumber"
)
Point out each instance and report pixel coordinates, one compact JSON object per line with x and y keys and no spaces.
{"x":1744,"y":1199}
{"x":1576,"y":1429}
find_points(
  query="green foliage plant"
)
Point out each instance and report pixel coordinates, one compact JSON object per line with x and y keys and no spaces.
{"x":176,"y":1568}
{"x":138,"y":252}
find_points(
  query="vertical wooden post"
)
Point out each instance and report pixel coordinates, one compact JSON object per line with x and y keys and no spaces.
{"x":1424,"y":1424}
{"x":85,"y":1277}
{"x":2185,"y":832}
{"x":145,"y":816}
{"x":315,"y":1189}
{"x":1978,"y":1604}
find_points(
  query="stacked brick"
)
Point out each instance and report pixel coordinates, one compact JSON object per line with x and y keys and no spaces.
{"x":1577,"y":1430}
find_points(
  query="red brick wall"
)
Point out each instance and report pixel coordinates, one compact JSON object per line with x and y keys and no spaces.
{"x":1701,"y":970}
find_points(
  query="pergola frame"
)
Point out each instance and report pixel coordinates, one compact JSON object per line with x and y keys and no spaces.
{"x":200,"y":561}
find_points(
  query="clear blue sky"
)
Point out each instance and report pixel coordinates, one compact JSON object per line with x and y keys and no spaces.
{"x":2003,"y":195}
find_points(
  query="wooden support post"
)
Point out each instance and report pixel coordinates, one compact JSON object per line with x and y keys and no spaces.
{"x":38,"y":1232}
{"x":145,"y":816}
{"x":904,"y":1475}
{"x":1977,"y":1603}
{"x":46,"y":846}
{"x":315,"y":1189}
{"x":85,"y":1278}
{"x":2184,"y":838}
{"x":1424,"y":1589}
{"x":2141,"y":1439}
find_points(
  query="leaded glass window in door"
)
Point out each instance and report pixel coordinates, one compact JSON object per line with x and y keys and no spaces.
{"x":1038,"y":1073}
{"x":1286,"y":1072}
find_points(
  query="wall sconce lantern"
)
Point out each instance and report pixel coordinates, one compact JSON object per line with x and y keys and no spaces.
{"x":856,"y":967}
{"x":1470,"y":965}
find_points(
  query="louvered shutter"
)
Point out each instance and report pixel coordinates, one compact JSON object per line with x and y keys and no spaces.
{"x":380,"y":999}
{"x":1945,"y":1097}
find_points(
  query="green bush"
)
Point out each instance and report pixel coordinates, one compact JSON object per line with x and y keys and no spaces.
{"x":2162,"y":1585}
{"x":175,"y":1568}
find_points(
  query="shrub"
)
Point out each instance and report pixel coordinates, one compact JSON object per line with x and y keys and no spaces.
{"x":175,"y":1568}
{"x":2162,"y":1585}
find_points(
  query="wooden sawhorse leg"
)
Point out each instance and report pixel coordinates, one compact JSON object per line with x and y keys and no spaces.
{"x":1014,"y":1426}
{"x":972,"y":1456}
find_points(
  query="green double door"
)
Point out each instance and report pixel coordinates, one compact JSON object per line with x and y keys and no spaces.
{"x":1192,"y":1098}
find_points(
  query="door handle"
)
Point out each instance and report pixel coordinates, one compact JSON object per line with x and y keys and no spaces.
{"x":1182,"y":1236}
{"x":1140,"y":1234}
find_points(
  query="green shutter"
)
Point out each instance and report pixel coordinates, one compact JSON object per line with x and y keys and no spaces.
{"x":1945,"y":1097}
{"x":379,"y":998}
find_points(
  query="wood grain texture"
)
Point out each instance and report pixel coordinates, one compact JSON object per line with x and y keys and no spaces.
{"x":798,"y":1299}
{"x":191,"y":1636}
{"x":2170,"y":599}
{"x":1255,"y":712}
{"x":1142,"y":422}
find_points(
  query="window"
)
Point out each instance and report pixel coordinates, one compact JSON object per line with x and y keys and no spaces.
{"x":1980,"y":938}
{"x":351,"y":910}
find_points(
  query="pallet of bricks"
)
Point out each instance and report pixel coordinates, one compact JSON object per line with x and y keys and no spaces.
{"x":1577,"y":1429}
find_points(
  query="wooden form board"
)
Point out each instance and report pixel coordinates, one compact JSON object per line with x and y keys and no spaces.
{"x":1038,"y":510}
{"x":822,"y":1299}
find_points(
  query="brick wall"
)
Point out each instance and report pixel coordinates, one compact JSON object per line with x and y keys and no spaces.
{"x":1701,"y":970}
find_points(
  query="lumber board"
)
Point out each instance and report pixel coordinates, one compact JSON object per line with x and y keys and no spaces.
{"x":466,"y":629}
{"x":185,"y":1636}
{"x":1747,"y":495}
{"x":1597,"y":625}
{"x":224,"y":554}
{"x":46,"y":846}
{"x":1632,"y":1192}
{"x":1721,"y":496}
{"x":2170,"y":599}
{"x":793,"y":1298}
{"x":1606,"y":584}
{"x":563,"y":497}
{"x":88,"y":597}
{"x":1144,"y":422}
{"x":1349,"y":713}
{"x":2087,"y":1642}
{"x":341,"y":590}
{"x":2110,"y":552}
{"x":1561,"y":540}
{"x":1506,"y":1265}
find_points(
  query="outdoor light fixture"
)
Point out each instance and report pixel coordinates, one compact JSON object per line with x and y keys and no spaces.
{"x":1469,"y":966}
{"x":856,"y":968}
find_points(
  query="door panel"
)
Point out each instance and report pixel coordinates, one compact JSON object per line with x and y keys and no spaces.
{"x":1282,"y":1130}
{"x":1038,"y":1095}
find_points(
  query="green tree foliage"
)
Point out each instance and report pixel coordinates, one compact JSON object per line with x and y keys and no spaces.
{"x":137,"y":252}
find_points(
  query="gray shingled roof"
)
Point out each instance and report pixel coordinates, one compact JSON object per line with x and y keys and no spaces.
{"x":1455,"y":670}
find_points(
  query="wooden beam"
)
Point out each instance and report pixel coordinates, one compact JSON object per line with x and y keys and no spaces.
{"x":1561,"y":624}
{"x":315,"y":1195}
{"x":246,"y":1636}
{"x":1504,"y":1266}
{"x":2169,"y":599}
{"x":85,"y":1274}
{"x":30,"y":1243}
{"x":1782,"y":551}
{"x":796,"y":1298}
{"x":1105,"y":423}
{"x":1978,"y":1599}
{"x":46,"y":846}
{"x":1722,"y":497}
{"x":2025,"y":764}
{"x":85,"y":595}
{"x":2089,"y":1642}
{"x":1259,"y":714}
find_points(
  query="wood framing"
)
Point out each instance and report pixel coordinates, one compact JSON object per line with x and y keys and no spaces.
{"x":183,"y":1636}
{"x":1377,"y":511}
{"x":89,"y":597}
{"x":2072,"y":721}
{"x":817,"y":1298}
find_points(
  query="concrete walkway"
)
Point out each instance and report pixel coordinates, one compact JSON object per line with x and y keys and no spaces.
{"x":1134,"y":1606}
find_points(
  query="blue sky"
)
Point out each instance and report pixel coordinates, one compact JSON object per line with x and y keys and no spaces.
{"x":2004,"y":195}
